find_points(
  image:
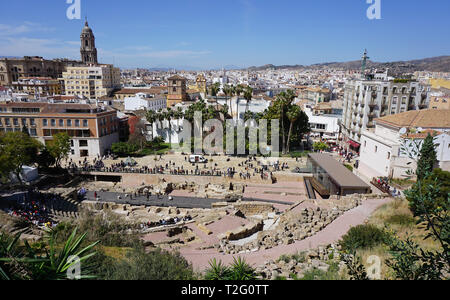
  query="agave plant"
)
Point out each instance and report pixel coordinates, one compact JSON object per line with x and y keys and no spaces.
{"x":13,"y":261}
{"x":27,"y":263}
{"x":239,"y":270}
{"x":59,"y":262}
{"x":217,"y":271}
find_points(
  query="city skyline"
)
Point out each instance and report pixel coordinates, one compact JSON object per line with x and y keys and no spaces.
{"x":203,"y":35}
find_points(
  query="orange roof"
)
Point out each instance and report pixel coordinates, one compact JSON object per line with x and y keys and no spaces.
{"x":437,"y":118}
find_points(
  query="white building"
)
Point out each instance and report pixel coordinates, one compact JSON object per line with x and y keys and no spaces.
{"x":366,"y":100}
{"x":325,"y":126}
{"x":145,"y":102}
{"x":381,"y":149}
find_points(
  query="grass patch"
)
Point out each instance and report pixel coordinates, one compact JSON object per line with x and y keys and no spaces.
{"x":333,"y":273}
{"x":401,"y":219}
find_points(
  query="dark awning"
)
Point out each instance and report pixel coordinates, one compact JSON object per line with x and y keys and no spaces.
{"x":354,"y":144}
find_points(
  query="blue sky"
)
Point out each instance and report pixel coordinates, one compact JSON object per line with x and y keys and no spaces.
{"x":211,"y":33}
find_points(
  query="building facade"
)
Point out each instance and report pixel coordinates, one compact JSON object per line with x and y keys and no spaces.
{"x":39,"y":86}
{"x":92,"y":82}
{"x":11,"y":69}
{"x":176,"y":90}
{"x":366,"y":100}
{"x":145,"y":102}
{"x":383,"y":150}
{"x":92,"y":129}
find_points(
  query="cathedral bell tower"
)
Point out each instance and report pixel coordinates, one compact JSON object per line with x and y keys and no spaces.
{"x":88,"y":50}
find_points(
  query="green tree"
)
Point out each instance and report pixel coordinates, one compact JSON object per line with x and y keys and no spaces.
{"x":320,"y":146}
{"x":427,"y":158}
{"x":17,"y":150}
{"x":59,"y":147}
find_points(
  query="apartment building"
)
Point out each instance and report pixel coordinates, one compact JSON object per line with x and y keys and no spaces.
{"x":381,"y":150}
{"x":92,"y":129}
{"x":365,"y":100}
{"x":92,"y":82}
{"x":42,"y":86}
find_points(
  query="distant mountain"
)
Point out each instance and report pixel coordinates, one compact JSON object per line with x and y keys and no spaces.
{"x":433,"y":64}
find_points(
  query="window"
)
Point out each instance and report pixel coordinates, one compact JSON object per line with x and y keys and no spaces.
{"x":7,"y":122}
{"x":389,"y":155}
{"x":77,"y":123}
{"x":376,"y":149}
{"x":61,"y":123}
{"x":32,"y":122}
{"x":33,"y":132}
{"x":24,"y":122}
{"x":365,"y":144}
{"x":1,"y":124}
{"x":69,"y":123}
{"x":44,"y":122}
{"x":53,"y":122}
{"x":83,"y":143}
{"x":16,"y":122}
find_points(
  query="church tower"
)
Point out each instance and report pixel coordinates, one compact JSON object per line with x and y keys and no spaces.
{"x":88,"y":50}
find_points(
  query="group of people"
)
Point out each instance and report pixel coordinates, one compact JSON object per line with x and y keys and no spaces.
{"x":32,"y":208}
{"x":382,"y":183}
{"x":345,"y":156}
{"x":165,"y":222}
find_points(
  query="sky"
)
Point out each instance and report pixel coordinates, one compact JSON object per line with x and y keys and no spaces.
{"x":210,"y":34}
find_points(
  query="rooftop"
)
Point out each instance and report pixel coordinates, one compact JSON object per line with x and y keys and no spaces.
{"x":340,"y":174}
{"x":418,"y":118}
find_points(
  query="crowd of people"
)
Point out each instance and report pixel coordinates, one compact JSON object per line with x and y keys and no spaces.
{"x":252,"y":168}
{"x":33,"y":209}
{"x":165,"y":222}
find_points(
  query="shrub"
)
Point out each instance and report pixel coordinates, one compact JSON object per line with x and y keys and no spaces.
{"x":155,"y":265}
{"x":363,"y":237}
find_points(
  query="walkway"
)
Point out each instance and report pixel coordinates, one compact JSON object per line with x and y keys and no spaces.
{"x":331,"y":234}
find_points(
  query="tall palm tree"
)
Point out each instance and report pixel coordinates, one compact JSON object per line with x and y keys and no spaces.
{"x":229,"y":91}
{"x":151,"y":117}
{"x":293,"y":115}
{"x":285,"y":99}
{"x":238,"y":91}
{"x":214,"y":90}
{"x":168,"y":115}
{"x":248,"y":95}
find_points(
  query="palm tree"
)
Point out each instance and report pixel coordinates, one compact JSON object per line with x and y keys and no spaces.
{"x":238,"y":91}
{"x":248,"y":95}
{"x":229,"y":91}
{"x":293,"y":115}
{"x":285,"y":99}
{"x":151,"y":117}
{"x":214,"y":90}
{"x":168,"y":115}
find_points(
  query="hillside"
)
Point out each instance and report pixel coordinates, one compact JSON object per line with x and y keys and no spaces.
{"x":433,"y":64}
